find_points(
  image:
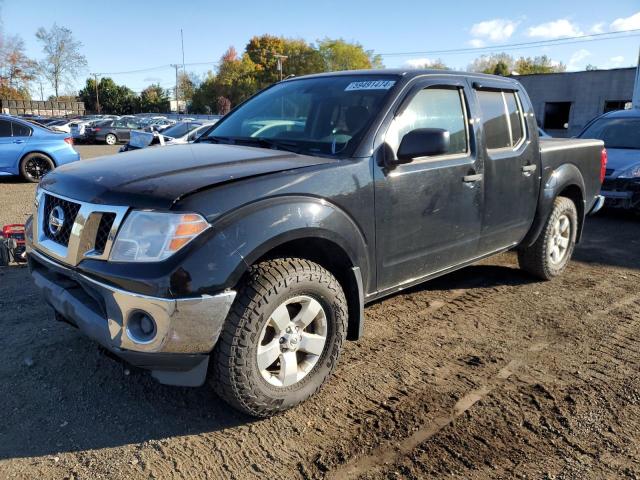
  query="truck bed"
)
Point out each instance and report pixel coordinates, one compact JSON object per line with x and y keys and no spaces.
{"x":583,"y":154}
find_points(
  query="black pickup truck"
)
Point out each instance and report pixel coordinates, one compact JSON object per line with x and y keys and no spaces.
{"x":247,"y":258}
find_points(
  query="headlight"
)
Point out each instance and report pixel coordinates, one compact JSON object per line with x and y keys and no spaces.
{"x":155,"y":236}
{"x":633,"y":172}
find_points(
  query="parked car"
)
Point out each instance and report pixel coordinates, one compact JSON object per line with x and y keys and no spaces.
{"x":112,"y":131}
{"x":620,"y":131}
{"x":78,"y":130}
{"x":180,"y":133}
{"x":31,"y":150}
{"x":254,"y":249}
{"x":63,"y":125}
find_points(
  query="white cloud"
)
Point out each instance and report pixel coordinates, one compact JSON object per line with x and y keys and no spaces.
{"x":626,"y":23}
{"x":617,"y":60}
{"x":577,"y":58}
{"x":597,"y":28}
{"x":418,"y":62}
{"x":496,"y":30}
{"x":555,"y":29}
{"x":476,"y":43}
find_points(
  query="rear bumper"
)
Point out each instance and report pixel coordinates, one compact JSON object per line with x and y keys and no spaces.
{"x":185,"y":330}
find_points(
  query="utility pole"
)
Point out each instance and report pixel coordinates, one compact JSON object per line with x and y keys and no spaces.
{"x":280,"y":59}
{"x":184,"y":71}
{"x":176,"y":66}
{"x":95,"y":80}
{"x":635,"y":101}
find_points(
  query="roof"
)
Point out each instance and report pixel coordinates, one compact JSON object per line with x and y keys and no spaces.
{"x":405,"y":73}
{"x":579,"y":72}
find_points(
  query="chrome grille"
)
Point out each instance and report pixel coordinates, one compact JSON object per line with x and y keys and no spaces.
{"x":70,"y":210}
{"x":104,"y":228}
{"x":88,"y":230}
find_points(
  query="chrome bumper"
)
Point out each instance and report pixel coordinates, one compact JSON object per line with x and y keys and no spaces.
{"x":597,"y":205}
{"x":103,"y":312}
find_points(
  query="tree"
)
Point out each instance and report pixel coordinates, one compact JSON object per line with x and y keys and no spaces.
{"x":224,"y":105}
{"x":591,"y":68}
{"x":16,"y":68}
{"x":501,"y":68}
{"x":186,"y":86}
{"x":542,"y":64}
{"x":114,"y":99}
{"x":433,"y":65}
{"x":341,"y":55}
{"x":62,"y":61}
{"x":205,"y":94}
{"x":154,"y":99}
{"x":489,"y":64}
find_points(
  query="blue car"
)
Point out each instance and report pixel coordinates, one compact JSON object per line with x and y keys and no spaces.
{"x":620,"y":131}
{"x":31,"y":150}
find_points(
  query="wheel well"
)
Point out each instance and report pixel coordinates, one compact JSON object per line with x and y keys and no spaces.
{"x":574,"y":193}
{"x":332,"y":257}
{"x":41,"y":153}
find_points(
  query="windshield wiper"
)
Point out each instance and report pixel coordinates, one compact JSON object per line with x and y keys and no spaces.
{"x":259,"y":141}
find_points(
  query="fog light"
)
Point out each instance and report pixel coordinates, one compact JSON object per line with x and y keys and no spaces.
{"x":141,"y":327}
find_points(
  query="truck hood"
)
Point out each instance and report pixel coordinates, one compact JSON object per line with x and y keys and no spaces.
{"x":621,"y":159}
{"x":157,"y":177}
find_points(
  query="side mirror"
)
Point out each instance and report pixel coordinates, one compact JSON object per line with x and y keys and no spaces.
{"x":423,"y":142}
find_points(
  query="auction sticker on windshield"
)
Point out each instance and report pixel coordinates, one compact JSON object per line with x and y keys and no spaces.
{"x":371,"y":85}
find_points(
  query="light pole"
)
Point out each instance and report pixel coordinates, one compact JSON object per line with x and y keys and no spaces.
{"x":95,"y":80}
{"x":176,"y":66}
{"x":280,"y":59}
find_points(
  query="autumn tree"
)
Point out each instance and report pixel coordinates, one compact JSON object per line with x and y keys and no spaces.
{"x":542,"y":64}
{"x":16,"y":68}
{"x":223,"y":105}
{"x":154,"y":99}
{"x":62,"y":60}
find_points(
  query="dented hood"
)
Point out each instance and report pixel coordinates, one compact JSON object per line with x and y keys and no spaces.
{"x":157,"y":177}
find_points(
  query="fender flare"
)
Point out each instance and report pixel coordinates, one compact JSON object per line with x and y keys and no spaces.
{"x":565,"y":176}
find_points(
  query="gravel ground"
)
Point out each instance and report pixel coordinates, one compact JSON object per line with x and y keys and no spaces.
{"x":484,"y":373}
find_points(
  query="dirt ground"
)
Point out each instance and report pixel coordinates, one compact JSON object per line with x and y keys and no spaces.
{"x":484,"y":373}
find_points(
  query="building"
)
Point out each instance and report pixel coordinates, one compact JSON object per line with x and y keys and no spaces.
{"x":41,"y":108}
{"x":565,"y":102}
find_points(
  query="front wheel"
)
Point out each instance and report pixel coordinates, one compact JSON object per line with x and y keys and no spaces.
{"x":35,"y":166}
{"x":110,"y":139}
{"x":550,"y":254}
{"x":282,"y":338}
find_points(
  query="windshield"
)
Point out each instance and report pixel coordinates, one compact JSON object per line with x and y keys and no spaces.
{"x":615,"y":132}
{"x":179,"y":129}
{"x":317,"y":116}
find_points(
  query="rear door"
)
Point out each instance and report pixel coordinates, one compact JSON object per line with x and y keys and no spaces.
{"x":511,"y":166}
{"x":10,"y":148}
{"x":429,"y":211}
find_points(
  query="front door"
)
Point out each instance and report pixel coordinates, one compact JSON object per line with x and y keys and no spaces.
{"x":429,"y":211}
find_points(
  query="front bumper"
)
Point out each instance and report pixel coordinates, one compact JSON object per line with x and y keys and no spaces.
{"x":621,"y":193}
{"x":185,"y":332}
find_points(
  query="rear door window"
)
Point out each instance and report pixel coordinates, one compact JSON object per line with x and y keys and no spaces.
{"x":495,"y":121}
{"x":20,"y":130}
{"x":502,"y":118}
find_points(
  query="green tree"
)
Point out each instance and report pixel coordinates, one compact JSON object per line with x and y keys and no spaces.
{"x":186,"y":86}
{"x":542,"y":64}
{"x":237,"y":77}
{"x":62,"y":60}
{"x":489,"y":64}
{"x":501,"y":68}
{"x":154,"y":99}
{"x":114,"y":99}
{"x":341,"y":55}
{"x":205,"y":95}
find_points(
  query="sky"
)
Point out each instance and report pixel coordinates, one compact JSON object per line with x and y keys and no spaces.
{"x":120,"y":36}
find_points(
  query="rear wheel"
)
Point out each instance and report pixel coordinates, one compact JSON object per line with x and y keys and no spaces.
{"x":34,"y":166}
{"x":282,"y":338}
{"x":550,"y":254}
{"x":111,"y":139}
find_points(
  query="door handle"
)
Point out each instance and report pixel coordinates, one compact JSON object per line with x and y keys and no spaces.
{"x":529,"y":168}
{"x":472,"y":178}
{"x":18,"y":141}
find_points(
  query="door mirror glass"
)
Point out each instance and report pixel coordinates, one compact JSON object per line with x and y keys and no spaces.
{"x":423,"y":142}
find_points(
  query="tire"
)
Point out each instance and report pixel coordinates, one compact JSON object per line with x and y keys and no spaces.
{"x":276,"y":292}
{"x":549,"y":255}
{"x":111,"y":139}
{"x":34,"y":166}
